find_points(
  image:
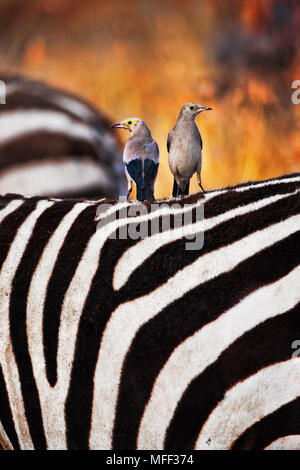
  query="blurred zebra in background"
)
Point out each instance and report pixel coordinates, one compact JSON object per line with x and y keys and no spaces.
{"x":53,"y":143}
{"x":130,"y":343}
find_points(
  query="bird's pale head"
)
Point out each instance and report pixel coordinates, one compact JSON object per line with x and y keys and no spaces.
{"x":191,"y":110}
{"x":133,"y":125}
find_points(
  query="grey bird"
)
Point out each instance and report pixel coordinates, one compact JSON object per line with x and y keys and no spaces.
{"x":141,"y":158}
{"x":185,"y":148}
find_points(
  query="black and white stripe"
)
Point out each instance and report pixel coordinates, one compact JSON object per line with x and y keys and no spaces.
{"x":55,"y":144}
{"x":125,"y":344}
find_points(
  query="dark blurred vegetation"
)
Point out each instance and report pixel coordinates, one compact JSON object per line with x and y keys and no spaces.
{"x":147,"y":58}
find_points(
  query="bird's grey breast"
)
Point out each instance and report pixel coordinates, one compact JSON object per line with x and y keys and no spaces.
{"x":185,"y":148}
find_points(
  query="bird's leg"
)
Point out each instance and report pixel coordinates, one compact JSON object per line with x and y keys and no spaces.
{"x":128,"y":194}
{"x":199,"y":181}
{"x":202,"y":187}
{"x":129,"y":190}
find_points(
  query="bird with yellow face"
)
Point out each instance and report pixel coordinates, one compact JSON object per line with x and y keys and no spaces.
{"x":141,"y":158}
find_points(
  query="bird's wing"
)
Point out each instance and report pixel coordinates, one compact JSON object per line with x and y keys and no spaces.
{"x":151,"y":162}
{"x":135,"y":170}
{"x":169,"y":140}
{"x":150,"y":171}
{"x":152,"y":151}
{"x":199,"y":138}
{"x":201,"y":143}
{"x":142,"y":164}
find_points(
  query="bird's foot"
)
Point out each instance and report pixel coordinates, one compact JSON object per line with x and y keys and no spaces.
{"x":200,"y":185}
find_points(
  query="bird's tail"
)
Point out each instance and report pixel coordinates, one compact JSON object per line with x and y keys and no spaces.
{"x":177,"y":191}
{"x":145,"y":193}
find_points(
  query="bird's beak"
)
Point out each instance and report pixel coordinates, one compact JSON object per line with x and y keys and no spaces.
{"x":205,"y":108}
{"x":120,"y":125}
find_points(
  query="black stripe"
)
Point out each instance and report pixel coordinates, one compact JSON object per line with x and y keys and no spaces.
{"x":67,"y":261}
{"x":94,"y":192}
{"x":99,"y":305}
{"x":6,"y":417}
{"x":172,"y":257}
{"x":264,"y":345}
{"x":216,"y":206}
{"x":283,"y":422}
{"x":44,"y":228}
{"x":46,"y":147}
{"x":44,"y":144}
{"x":36,"y":96}
{"x":240,"y":197}
{"x":101,"y":301}
{"x":276,"y":178}
{"x":33,"y":94}
{"x":10,"y":225}
{"x":156,"y":340}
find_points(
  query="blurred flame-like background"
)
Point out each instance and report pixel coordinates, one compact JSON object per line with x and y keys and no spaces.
{"x":147,"y":58}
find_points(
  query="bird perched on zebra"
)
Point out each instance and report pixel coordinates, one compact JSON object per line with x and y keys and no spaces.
{"x":93,"y":356}
{"x":55,"y":143}
{"x":184,"y":145}
{"x":141,"y":158}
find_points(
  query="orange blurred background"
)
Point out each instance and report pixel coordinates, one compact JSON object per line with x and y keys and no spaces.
{"x":147,"y":58}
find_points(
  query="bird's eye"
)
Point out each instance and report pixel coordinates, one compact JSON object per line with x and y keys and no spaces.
{"x":192,"y":108}
{"x":129,"y":123}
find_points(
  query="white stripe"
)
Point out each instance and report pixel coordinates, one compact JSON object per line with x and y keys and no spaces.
{"x":133,"y":257}
{"x":129,"y":317}
{"x":82,"y":279}
{"x":247,"y":186}
{"x":51,"y":95}
{"x":13,"y":87}
{"x":285,"y":443}
{"x":70,"y":104}
{"x":112,"y":209}
{"x":248,"y":402}
{"x":9,"y":208}
{"x":4,"y":439}
{"x":17,"y":123}
{"x":162,"y":210}
{"x":53,"y":177}
{"x":52,"y":400}
{"x":267,"y":183}
{"x":197,"y":352}
{"x":7,"y":357}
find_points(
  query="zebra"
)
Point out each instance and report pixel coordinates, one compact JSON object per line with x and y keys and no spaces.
{"x":54,"y":143}
{"x":120,"y":343}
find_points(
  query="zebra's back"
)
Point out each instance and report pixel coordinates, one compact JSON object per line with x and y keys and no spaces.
{"x":54,"y":143}
{"x":113,"y":341}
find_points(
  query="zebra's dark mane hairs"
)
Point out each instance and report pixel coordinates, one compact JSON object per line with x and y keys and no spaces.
{"x":155,"y":340}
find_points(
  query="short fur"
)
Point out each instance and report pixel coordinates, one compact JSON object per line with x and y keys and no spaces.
{"x":117,"y":342}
